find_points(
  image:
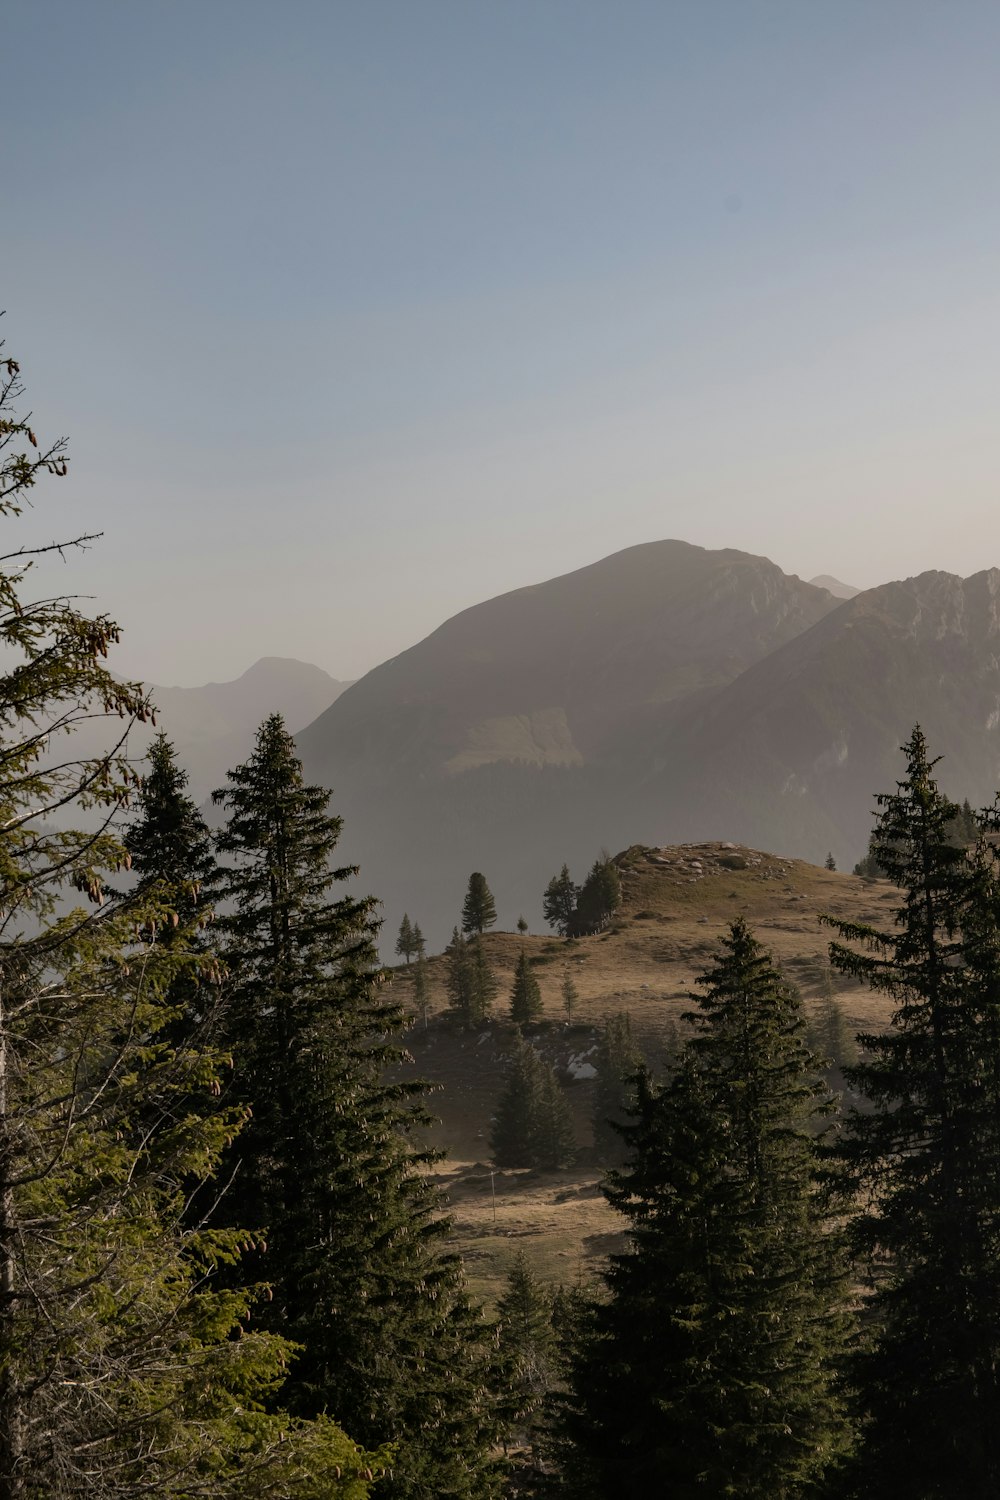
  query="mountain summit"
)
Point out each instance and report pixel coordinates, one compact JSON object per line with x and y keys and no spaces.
{"x":515,"y":735}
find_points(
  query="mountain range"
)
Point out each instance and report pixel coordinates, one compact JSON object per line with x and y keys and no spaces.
{"x":666,"y":693}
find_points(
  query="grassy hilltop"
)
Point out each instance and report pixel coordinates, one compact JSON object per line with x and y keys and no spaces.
{"x":676,"y":901}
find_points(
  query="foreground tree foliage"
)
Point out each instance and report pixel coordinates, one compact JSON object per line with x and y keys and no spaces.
{"x":124,"y":1369}
{"x":709,"y":1368}
{"x":921,"y":1162}
{"x":362,"y":1281}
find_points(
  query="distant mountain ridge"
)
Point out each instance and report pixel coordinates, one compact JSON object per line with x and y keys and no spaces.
{"x":666,"y":692}
{"x":213,"y":725}
{"x":834,"y":586}
{"x":515,"y":734}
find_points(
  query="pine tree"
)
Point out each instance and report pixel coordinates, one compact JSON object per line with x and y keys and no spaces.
{"x":554,"y":1138}
{"x":923,"y":1157}
{"x":522,"y":926}
{"x":831,"y":1037}
{"x":570,"y":995}
{"x":600,"y":897}
{"x":619,"y":1061}
{"x":525,"y":995}
{"x":419,"y":941}
{"x":479,"y":909}
{"x":533,"y":1126}
{"x":526,"y":1343}
{"x":362,"y":1281}
{"x":559,"y":901}
{"x":458,"y":976}
{"x":470,"y":982}
{"x":406,"y":944}
{"x":830,"y":863}
{"x":483,"y":987}
{"x":709,"y":1367}
{"x":420,"y":990}
{"x":122,"y":1372}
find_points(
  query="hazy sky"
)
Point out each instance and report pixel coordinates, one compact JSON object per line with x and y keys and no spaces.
{"x":358,"y":313}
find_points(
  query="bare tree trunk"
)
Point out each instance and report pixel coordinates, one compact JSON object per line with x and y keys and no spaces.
{"x":11,"y":1415}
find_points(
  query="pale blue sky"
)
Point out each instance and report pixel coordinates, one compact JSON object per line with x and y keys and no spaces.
{"x":358,"y":313}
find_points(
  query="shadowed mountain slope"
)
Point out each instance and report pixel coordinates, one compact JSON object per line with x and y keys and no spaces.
{"x":510,"y":738}
{"x":793,"y":751}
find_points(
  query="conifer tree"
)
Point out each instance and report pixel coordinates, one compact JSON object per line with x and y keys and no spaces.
{"x":470,"y":982}
{"x":526,"y":1343}
{"x":458,"y":976}
{"x":406,"y":942}
{"x":479,"y":909}
{"x":570,"y":995}
{"x":122,"y":1372}
{"x":600,"y":897}
{"x":419,"y":941}
{"x":559,"y":901}
{"x":830,"y":863}
{"x":525,"y":995}
{"x":709,"y":1368}
{"x":533,"y":1126}
{"x":420,"y":990}
{"x":483,"y":984}
{"x":619,"y":1061}
{"x":362,"y":1280}
{"x":923,"y":1156}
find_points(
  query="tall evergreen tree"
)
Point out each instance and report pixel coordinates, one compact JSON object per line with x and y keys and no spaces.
{"x":922,"y":1158}
{"x":122,"y":1372}
{"x":559,"y":901}
{"x":406,"y":942}
{"x":362,"y":1279}
{"x":526,"y":1346}
{"x":533,"y":1126}
{"x":479,"y":909}
{"x":525,"y":995}
{"x":600,"y":897}
{"x":470,"y":982}
{"x":709,"y":1368}
{"x":570,"y":995}
{"x":421,"y":996}
{"x":619,"y":1061}
{"x":419,"y":941}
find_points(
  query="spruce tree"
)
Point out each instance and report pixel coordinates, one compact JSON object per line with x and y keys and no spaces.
{"x":458,"y":980}
{"x":483,"y":984}
{"x":559,"y":901}
{"x":710,"y":1366}
{"x":405,"y":942}
{"x":599,"y":898}
{"x":533,"y":1126}
{"x":420,"y":990}
{"x":525,"y":995}
{"x":419,"y":941}
{"x":470,"y":982}
{"x":922,"y":1157}
{"x":526,"y":1343}
{"x":570,"y":995}
{"x":619,"y":1061}
{"x":362,"y":1280}
{"x":479,"y":909}
{"x":122,"y":1368}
